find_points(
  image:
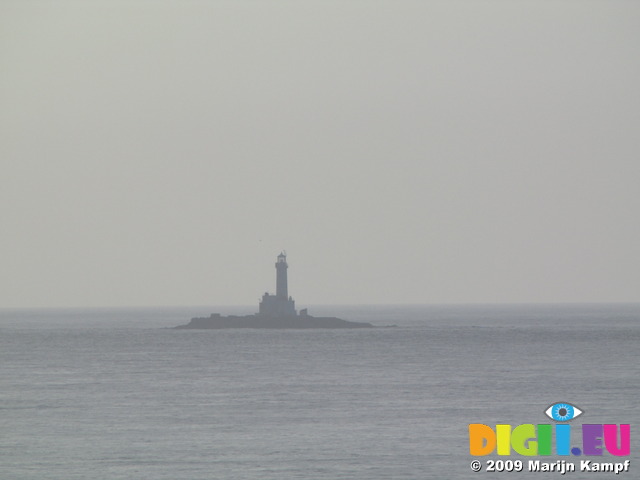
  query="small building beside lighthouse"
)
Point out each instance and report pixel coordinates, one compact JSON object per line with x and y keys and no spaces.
{"x":280,"y":304}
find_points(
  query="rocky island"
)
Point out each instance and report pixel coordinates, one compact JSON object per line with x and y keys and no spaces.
{"x":275,"y":311}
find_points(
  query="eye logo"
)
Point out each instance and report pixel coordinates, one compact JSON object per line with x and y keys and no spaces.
{"x":562,"y":412}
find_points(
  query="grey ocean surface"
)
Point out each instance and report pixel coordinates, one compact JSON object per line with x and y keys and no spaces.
{"x":112,"y":394}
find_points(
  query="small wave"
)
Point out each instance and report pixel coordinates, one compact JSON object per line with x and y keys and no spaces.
{"x":28,"y":407}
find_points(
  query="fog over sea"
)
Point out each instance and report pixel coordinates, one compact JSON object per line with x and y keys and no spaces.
{"x":114,"y":394}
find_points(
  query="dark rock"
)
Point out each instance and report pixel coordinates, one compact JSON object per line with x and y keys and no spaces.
{"x":216,"y":321}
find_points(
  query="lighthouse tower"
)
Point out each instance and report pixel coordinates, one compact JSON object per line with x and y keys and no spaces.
{"x":281,"y":276}
{"x":280,"y":304}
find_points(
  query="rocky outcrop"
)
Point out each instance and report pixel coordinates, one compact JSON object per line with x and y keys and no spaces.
{"x":217,"y":321}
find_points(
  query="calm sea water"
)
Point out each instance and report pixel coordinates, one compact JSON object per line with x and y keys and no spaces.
{"x":112,"y":394}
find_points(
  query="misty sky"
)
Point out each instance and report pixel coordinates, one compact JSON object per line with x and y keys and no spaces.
{"x":164,"y":152}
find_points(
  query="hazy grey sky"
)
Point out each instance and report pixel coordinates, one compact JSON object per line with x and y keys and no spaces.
{"x":164,"y":152}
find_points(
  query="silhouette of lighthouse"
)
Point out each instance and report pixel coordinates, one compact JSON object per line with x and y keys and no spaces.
{"x":281,"y":276}
{"x":280,"y":304}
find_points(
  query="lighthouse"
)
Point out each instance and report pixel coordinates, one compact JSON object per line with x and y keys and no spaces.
{"x":276,"y":311}
{"x":281,"y":276}
{"x":280,"y":304}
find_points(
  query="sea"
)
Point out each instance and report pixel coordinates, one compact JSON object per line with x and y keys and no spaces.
{"x":116,"y":393}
